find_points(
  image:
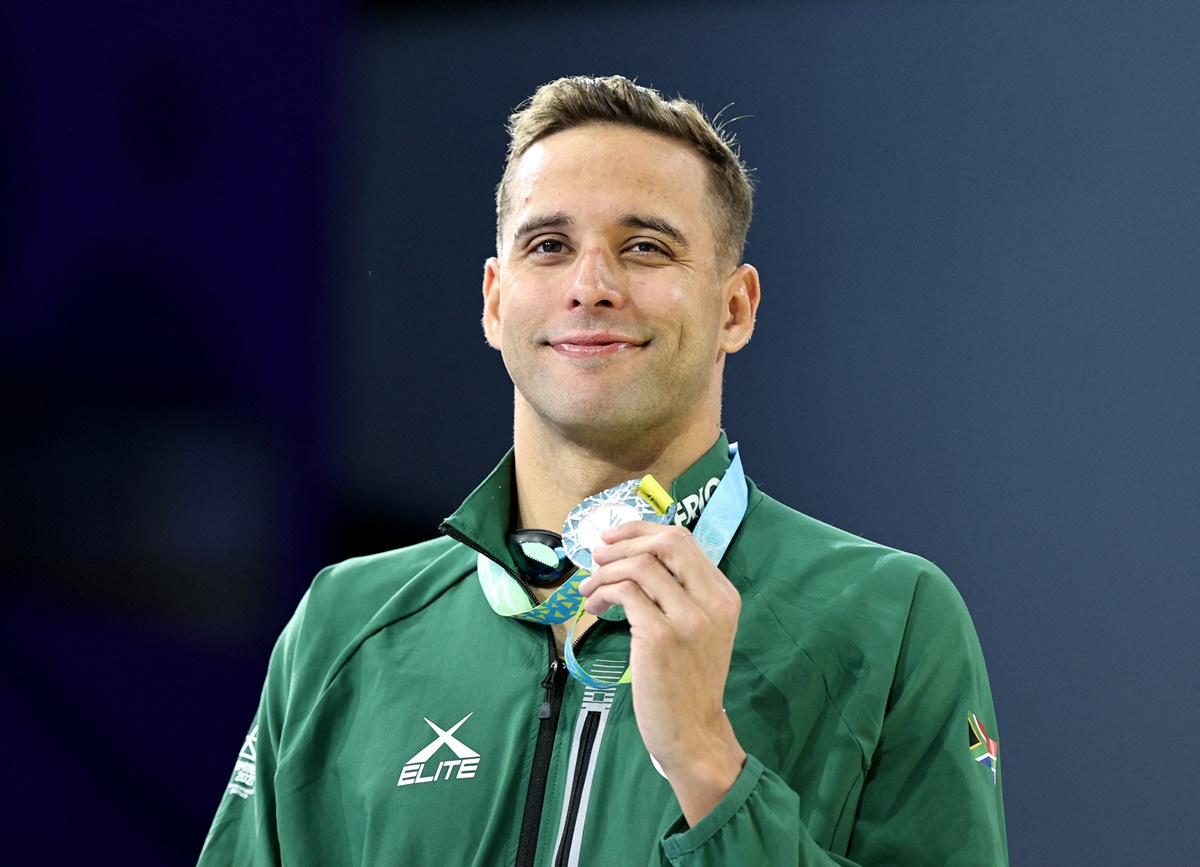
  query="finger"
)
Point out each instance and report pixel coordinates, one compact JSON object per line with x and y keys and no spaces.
{"x":642,"y":612}
{"x":648,"y":619}
{"x":674,"y":546}
{"x":632,"y":529}
{"x":679,"y":553}
{"x":659,"y":585}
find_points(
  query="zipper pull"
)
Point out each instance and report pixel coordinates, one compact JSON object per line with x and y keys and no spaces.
{"x":548,"y":683}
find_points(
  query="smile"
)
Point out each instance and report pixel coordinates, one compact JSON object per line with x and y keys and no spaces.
{"x":594,"y":345}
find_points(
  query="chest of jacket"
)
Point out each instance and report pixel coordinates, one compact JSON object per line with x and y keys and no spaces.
{"x":417,"y":753}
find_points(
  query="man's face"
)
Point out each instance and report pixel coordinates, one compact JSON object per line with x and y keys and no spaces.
{"x":606,"y":299}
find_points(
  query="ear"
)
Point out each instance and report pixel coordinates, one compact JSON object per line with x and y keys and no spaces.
{"x":741,"y":294}
{"x":491,"y":302}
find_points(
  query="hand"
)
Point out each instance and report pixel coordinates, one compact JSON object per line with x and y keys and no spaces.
{"x":683,"y":615}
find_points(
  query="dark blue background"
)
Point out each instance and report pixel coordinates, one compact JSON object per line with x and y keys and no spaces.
{"x":240,"y":254}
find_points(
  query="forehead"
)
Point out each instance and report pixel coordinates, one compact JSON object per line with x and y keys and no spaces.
{"x":606,"y":171}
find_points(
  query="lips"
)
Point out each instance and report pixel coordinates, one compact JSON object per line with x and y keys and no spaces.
{"x":594,"y":344}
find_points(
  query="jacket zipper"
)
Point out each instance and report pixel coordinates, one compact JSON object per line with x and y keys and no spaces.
{"x":454,"y":534}
{"x":555,"y":684}
{"x":583,"y":759}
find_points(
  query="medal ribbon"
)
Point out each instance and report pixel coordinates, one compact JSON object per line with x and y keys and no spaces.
{"x":714,"y":531}
{"x":508,"y":598}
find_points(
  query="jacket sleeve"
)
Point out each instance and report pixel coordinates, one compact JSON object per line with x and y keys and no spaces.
{"x":244,"y":830}
{"x":931,"y":793}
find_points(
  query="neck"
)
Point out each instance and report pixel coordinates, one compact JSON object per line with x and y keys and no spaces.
{"x":555,"y":473}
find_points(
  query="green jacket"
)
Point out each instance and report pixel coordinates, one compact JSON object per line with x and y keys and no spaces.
{"x":404,"y":722}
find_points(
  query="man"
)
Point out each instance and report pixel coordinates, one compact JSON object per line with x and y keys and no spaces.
{"x":748,"y":685}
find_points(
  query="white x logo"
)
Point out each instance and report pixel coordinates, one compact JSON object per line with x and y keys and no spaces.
{"x":446,"y":737}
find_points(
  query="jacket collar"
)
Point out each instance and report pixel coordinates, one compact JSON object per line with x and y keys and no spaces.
{"x":696,"y":484}
{"x":485,"y":517}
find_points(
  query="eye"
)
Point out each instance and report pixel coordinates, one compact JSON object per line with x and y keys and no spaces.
{"x":549,"y":245}
{"x":647,"y":247}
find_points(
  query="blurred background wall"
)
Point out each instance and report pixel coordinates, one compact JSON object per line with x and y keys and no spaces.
{"x":240,"y":254}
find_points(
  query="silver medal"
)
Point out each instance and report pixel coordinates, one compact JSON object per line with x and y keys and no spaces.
{"x":599,"y":512}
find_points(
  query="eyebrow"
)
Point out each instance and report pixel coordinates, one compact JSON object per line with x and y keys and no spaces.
{"x":537,"y":224}
{"x":629,"y":221}
{"x":654,"y":224}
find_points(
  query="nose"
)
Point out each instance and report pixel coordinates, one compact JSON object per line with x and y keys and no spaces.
{"x":595,"y":282}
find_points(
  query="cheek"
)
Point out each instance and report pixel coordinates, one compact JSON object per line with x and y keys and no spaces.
{"x":522,"y":304}
{"x":519,"y":325}
{"x":701,"y":325}
{"x":510,"y":312}
{"x":517,"y":341}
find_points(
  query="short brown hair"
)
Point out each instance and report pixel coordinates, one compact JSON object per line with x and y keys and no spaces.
{"x":578,"y":100}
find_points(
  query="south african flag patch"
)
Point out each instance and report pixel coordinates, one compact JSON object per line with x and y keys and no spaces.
{"x":983,"y":749}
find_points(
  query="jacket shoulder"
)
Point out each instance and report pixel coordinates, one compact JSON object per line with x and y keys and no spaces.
{"x":365,"y":583}
{"x":793,"y":543}
{"x":351,"y":600}
{"x":870,"y":619}
{"x":815,"y":577}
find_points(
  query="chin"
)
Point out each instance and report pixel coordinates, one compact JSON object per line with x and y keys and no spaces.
{"x":583,"y":418}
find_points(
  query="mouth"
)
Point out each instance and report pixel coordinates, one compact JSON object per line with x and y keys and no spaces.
{"x":594,"y":344}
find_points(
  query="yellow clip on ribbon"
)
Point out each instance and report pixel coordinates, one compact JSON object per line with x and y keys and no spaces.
{"x":653,"y":493}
